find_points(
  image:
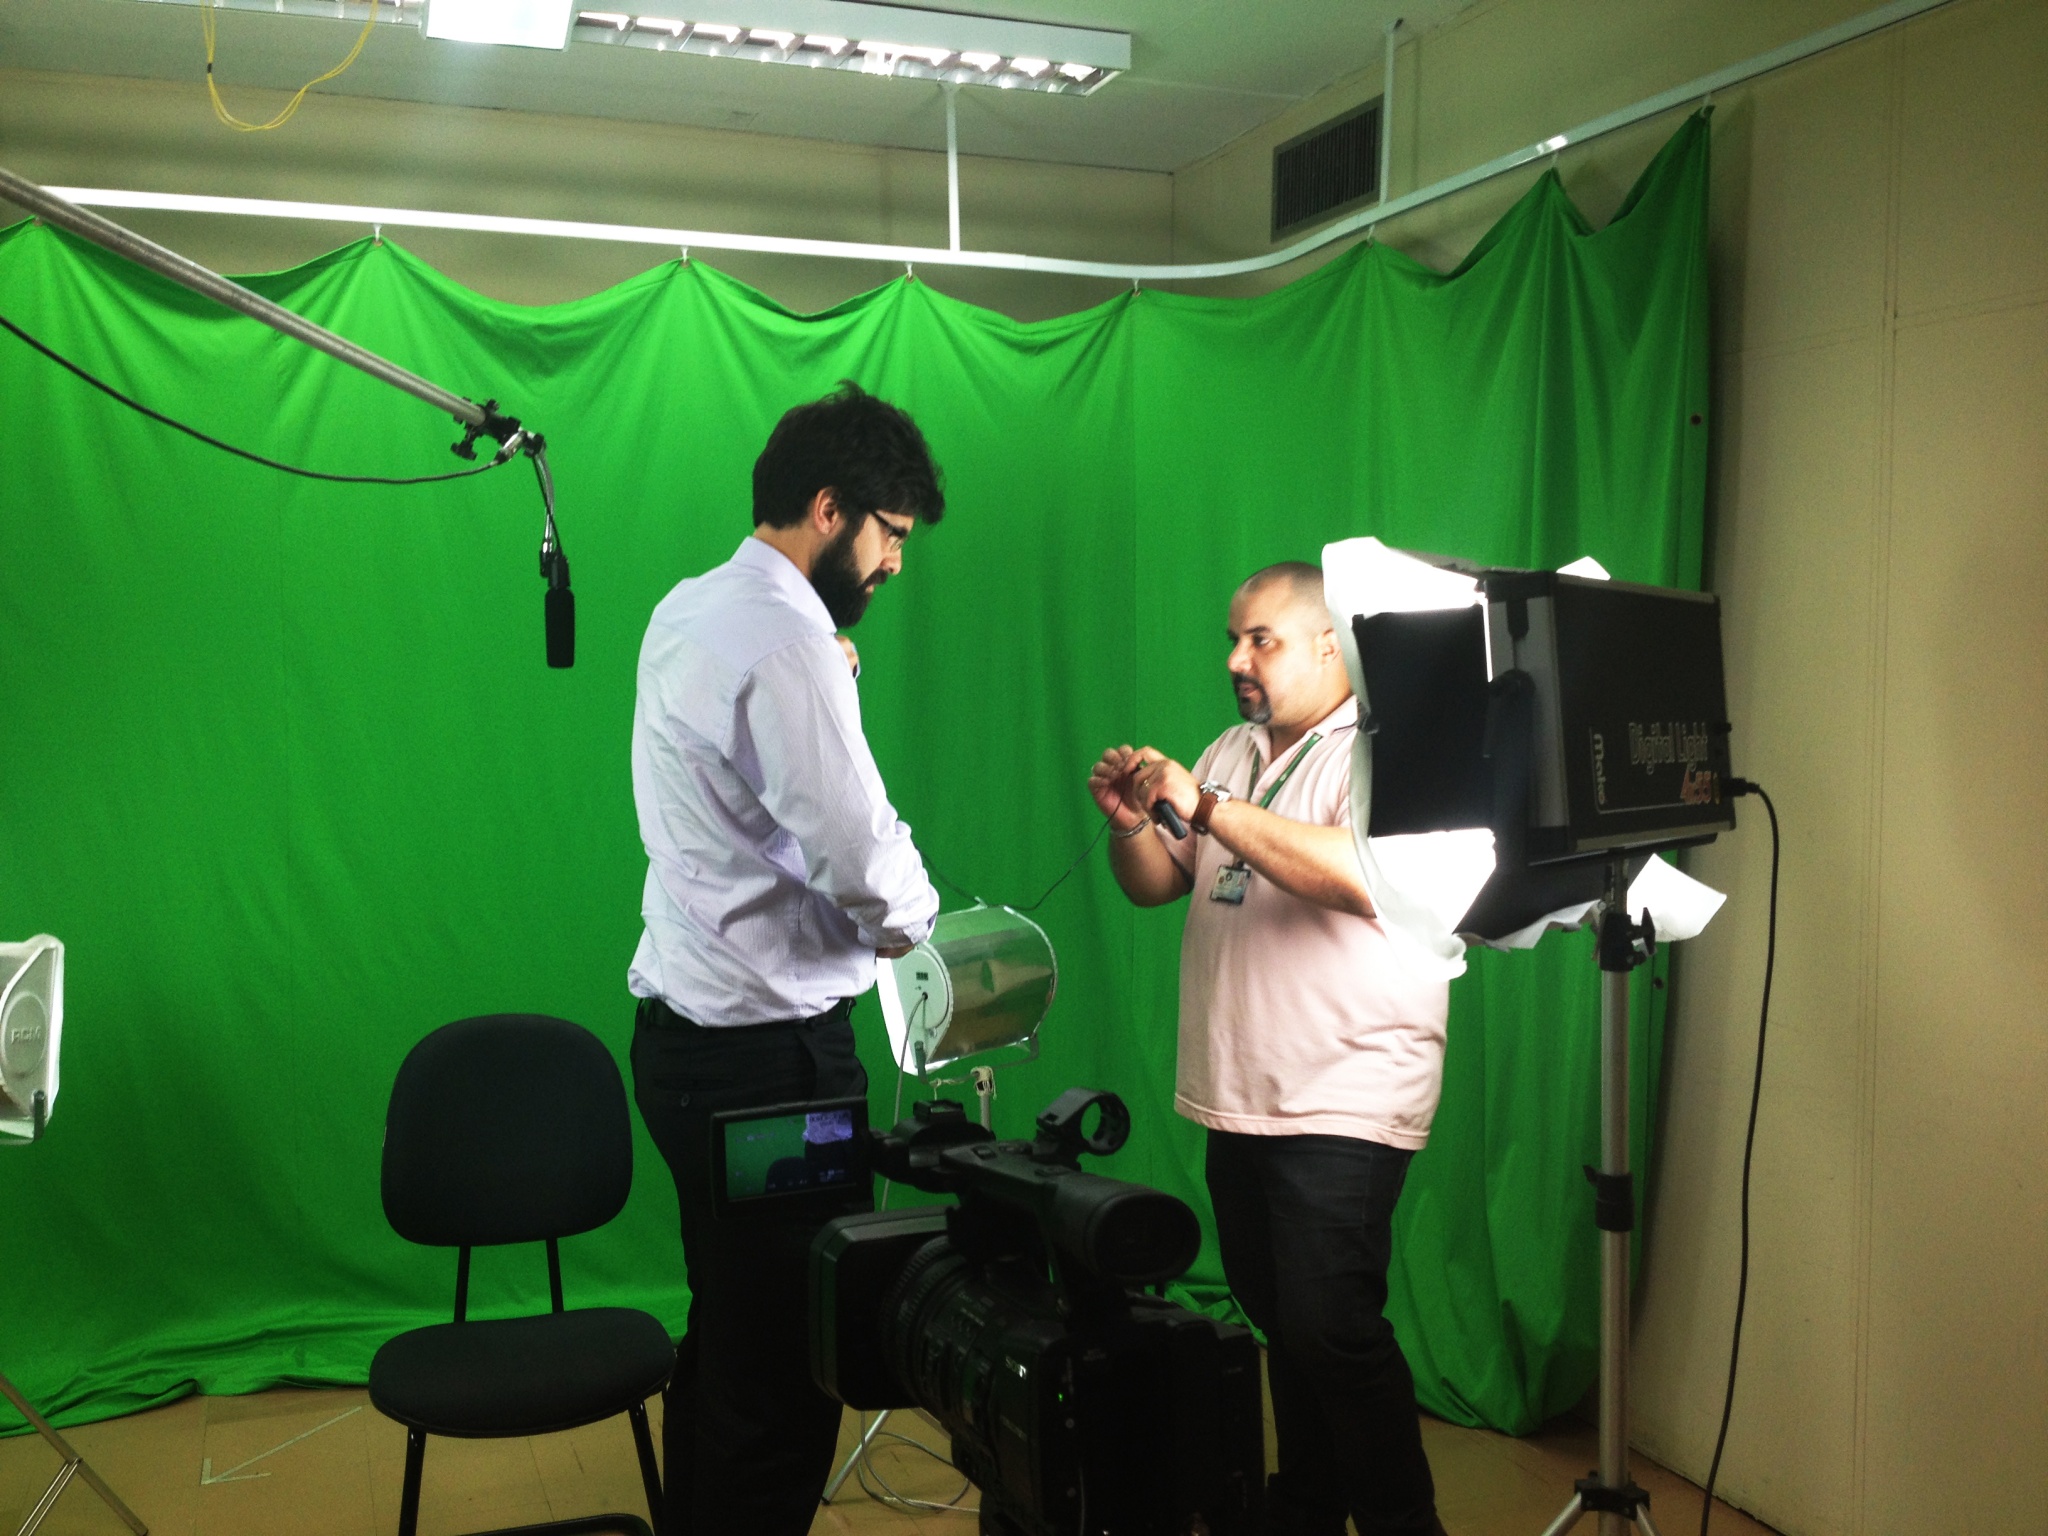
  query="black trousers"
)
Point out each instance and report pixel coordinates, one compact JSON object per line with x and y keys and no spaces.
{"x":747,"y":1436}
{"x":1305,"y":1228}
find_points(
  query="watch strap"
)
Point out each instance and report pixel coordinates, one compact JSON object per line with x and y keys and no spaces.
{"x":1204,"y":808}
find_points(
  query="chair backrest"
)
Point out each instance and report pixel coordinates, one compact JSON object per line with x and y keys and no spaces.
{"x":511,"y":1128}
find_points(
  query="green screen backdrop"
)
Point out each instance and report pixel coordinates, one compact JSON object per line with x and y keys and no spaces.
{"x":285,"y":771}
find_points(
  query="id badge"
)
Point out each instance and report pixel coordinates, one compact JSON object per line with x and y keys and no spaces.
{"x":1232,"y":881}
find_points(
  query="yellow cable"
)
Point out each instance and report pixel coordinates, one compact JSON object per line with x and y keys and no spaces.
{"x":220,"y":108}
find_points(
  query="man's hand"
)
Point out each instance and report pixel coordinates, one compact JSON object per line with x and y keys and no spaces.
{"x":1158,"y":777}
{"x":1109,"y":781}
{"x":1148,"y":874}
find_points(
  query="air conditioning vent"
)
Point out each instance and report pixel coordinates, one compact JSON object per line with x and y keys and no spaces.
{"x":1328,"y":170}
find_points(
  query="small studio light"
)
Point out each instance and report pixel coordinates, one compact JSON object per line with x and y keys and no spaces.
{"x":1031,"y":68}
{"x":834,"y":46}
{"x":723,"y":34}
{"x":984,"y":62}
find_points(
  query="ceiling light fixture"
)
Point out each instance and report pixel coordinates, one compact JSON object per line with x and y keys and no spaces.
{"x":521,"y":23}
{"x":895,"y":40}
{"x":923,"y":44}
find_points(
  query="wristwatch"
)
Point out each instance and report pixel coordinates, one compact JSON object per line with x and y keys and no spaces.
{"x":1213,"y":795}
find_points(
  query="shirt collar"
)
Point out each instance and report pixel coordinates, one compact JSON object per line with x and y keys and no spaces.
{"x":789,"y":583}
{"x":1345,"y":714}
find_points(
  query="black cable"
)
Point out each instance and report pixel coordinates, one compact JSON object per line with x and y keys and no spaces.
{"x":961,"y":890}
{"x":240,"y":453}
{"x":1747,"y":787}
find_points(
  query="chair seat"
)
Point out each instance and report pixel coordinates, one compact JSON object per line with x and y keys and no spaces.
{"x":521,"y":1375}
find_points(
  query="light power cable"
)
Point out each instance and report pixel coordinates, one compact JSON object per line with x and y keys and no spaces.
{"x":1747,"y":787}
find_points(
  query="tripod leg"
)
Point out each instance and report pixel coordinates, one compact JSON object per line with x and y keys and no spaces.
{"x":1568,"y":1519}
{"x":1643,"y":1521}
{"x":853,"y":1459}
{"x":73,"y":1463}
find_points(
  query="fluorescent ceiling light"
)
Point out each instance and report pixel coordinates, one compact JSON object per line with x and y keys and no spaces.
{"x":521,"y":23}
{"x":874,"y":39}
{"x":920,"y":44}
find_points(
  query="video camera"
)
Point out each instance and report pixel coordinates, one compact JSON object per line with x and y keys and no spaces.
{"x":1076,"y":1402}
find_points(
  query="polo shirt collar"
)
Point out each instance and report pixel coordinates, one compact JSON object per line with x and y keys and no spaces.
{"x":1345,"y":714}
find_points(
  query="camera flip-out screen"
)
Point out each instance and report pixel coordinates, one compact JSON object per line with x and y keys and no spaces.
{"x":787,"y":1153}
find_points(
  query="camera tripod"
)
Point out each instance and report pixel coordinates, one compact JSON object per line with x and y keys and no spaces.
{"x":1610,"y":1492}
{"x":984,"y":1080}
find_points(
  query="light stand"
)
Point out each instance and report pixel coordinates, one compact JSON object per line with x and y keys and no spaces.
{"x":1609,"y":1491}
{"x":74,"y":1464}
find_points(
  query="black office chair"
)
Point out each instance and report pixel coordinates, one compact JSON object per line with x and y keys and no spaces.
{"x":513,"y":1129}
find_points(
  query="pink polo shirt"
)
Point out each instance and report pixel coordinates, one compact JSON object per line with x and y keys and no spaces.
{"x":1295,"y":1019}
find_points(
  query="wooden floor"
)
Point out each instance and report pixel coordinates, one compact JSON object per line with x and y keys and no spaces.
{"x":324,"y":1463}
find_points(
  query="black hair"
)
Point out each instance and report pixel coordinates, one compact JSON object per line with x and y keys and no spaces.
{"x":867,"y":452}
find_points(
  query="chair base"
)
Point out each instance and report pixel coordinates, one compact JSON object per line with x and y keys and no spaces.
{"x":594,"y":1525}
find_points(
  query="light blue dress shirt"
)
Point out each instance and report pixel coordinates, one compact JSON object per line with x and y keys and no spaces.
{"x":776,"y":866}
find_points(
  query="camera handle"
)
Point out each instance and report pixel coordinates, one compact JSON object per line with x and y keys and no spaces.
{"x":1061,"y":1136}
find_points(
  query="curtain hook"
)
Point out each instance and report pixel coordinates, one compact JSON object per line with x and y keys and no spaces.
{"x":686,"y":255}
{"x":909,"y":274}
{"x":376,"y":234}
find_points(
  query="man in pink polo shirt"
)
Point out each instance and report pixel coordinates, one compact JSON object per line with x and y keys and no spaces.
{"x":1307,"y":1049}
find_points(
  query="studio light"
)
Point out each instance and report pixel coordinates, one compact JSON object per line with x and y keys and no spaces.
{"x":31,"y":1029}
{"x":1522,"y":730}
{"x":519,"y":23}
{"x":981,"y":983}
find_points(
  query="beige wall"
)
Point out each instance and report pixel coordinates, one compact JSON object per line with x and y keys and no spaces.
{"x":1879,"y":533}
{"x":80,"y":130}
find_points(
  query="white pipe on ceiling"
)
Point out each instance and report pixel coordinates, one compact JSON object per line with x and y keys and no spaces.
{"x":1010,"y":261}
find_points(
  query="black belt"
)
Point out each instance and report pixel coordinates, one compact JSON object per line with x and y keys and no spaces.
{"x":655,"y":1012}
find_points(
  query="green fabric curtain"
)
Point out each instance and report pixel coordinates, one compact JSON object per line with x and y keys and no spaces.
{"x":284,"y":769}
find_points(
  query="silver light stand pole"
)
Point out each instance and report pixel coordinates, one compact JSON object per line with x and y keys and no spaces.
{"x":74,"y":1465}
{"x":1610,"y":1492}
{"x":984,"y":1079}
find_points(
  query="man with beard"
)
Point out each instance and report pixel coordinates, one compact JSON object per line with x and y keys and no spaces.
{"x":1311,"y":1055}
{"x":776,"y":872}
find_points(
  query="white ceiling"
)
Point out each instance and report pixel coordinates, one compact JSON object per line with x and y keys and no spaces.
{"x":1202,"y":73}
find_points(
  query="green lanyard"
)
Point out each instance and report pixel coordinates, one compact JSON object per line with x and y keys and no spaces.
{"x":1280,"y":783}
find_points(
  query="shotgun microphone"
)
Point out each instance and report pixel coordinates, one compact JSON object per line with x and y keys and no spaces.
{"x":559,"y":606}
{"x":559,"y":610}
